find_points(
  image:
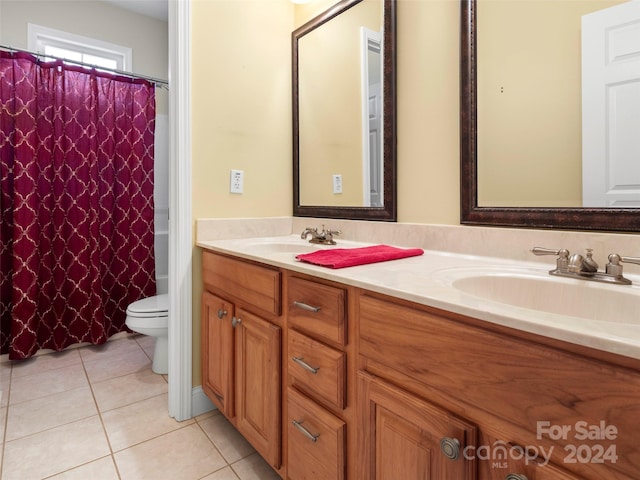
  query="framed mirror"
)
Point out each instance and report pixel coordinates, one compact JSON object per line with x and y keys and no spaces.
{"x":483,"y":93}
{"x":344,"y":112}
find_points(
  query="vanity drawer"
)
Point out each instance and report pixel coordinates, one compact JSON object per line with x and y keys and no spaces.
{"x":316,"y":369}
{"x":253,"y":284}
{"x":315,"y":441}
{"x":318,"y":309}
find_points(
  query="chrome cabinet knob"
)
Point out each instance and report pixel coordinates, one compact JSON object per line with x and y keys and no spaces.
{"x":221,"y":313}
{"x":235,"y":321}
{"x":516,"y":476}
{"x":450,"y":448}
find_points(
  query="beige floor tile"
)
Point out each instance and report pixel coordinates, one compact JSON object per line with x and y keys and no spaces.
{"x":5,"y":380}
{"x":36,"y":385}
{"x":226,"y":438}
{"x":254,"y":468}
{"x":48,"y":412}
{"x":184,"y":454}
{"x":55,"y":451}
{"x":208,"y":414}
{"x":224,"y":474}
{"x":3,"y":417}
{"x":4,"y":360}
{"x":139,"y":422}
{"x":102,"y":469}
{"x":147,"y":343}
{"x":45,"y":363}
{"x":116,"y":365}
{"x":121,"y":391}
{"x":111,"y":349}
{"x":5,"y":377}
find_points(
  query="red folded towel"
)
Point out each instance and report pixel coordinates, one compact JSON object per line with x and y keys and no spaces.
{"x":349,"y":257}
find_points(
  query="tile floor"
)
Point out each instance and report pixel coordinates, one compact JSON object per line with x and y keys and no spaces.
{"x":100,"y":413}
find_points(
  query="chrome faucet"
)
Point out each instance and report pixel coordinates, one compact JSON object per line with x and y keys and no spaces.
{"x":585,"y":267}
{"x":325,"y":237}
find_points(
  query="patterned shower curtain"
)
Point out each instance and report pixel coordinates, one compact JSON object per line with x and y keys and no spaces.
{"x":76,"y":178}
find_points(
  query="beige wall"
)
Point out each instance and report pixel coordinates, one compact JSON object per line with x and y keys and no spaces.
{"x":241,"y":116}
{"x":330,"y":131}
{"x":241,"y":88}
{"x":428,"y":111}
{"x":536,"y":80}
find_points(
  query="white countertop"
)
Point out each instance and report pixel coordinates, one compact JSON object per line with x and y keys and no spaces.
{"x":426,"y":280}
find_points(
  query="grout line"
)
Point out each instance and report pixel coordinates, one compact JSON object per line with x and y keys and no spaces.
{"x":6,"y":419}
{"x":214,"y":446}
{"x":48,"y":429}
{"x":104,"y":429}
{"x":83,"y":362}
{"x":39,"y":372}
{"x":76,"y":466}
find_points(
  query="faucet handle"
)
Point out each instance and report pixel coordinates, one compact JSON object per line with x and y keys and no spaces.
{"x":550,"y":251}
{"x":614,"y":267}
{"x":562,"y":262}
{"x":635,"y":260}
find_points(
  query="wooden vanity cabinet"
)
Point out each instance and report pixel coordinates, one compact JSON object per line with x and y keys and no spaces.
{"x":520,"y":390}
{"x":241,"y":348}
{"x":332,"y":382}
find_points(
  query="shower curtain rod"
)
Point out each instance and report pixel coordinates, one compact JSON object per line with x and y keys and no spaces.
{"x":157,"y":81}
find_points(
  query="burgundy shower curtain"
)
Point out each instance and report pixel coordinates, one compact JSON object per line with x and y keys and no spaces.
{"x":76,"y":178}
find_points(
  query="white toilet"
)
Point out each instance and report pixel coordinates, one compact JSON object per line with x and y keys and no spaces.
{"x":150,"y":316}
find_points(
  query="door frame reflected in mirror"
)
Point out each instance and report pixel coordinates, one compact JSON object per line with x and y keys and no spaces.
{"x":609,"y":219}
{"x":387,"y":212}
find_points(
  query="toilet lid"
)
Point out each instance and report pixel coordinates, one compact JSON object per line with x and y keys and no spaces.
{"x":155,"y":306}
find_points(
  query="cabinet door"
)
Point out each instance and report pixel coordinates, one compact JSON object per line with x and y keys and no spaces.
{"x":403,"y":436}
{"x":258,"y":366}
{"x":526,"y":472}
{"x":218,"y":352}
{"x":552,"y":472}
{"x":501,"y":460}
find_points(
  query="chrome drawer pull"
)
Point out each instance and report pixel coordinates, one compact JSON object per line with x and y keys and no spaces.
{"x":304,"y":306}
{"x":300,"y":361}
{"x":307,"y":433}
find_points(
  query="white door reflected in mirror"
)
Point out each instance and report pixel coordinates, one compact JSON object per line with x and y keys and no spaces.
{"x":372,"y":118}
{"x":611,"y":107}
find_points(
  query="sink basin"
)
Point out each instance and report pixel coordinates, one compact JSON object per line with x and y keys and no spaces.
{"x":535,"y":290}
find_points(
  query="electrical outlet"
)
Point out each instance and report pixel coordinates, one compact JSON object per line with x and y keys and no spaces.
{"x":237,"y":181}
{"x":337,"y":183}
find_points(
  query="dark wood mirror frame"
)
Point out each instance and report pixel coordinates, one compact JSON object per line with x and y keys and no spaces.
{"x":610,"y":219}
{"x":388,"y":212}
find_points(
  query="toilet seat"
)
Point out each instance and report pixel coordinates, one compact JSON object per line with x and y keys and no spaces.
{"x":157,"y":306}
